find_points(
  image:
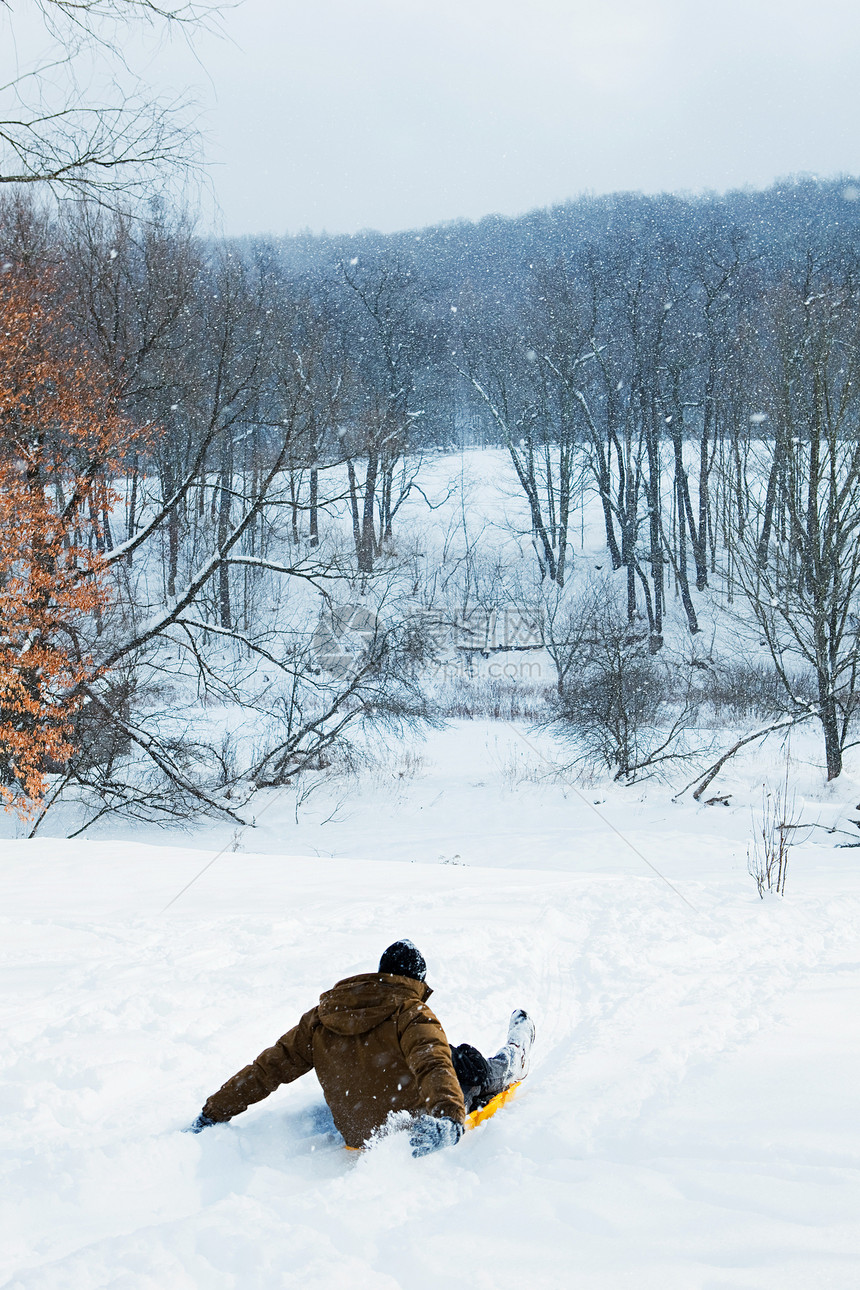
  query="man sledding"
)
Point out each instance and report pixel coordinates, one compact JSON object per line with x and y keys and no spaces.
{"x":377,"y":1048}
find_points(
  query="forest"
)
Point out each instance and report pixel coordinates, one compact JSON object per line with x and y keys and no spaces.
{"x":236,"y":536}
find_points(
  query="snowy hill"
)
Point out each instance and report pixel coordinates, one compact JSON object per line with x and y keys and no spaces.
{"x":689,"y":1121}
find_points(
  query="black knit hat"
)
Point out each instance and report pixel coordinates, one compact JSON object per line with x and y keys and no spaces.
{"x":403,"y":959}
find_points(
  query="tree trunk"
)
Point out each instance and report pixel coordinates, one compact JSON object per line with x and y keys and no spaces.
{"x":226,"y":484}
{"x":132,"y":507}
{"x":295,"y":485}
{"x":314,"y":503}
{"x":386,"y":517}
{"x":769,"y":502}
{"x":655,"y":524}
{"x":830,"y":722}
{"x":353,"y":506}
{"x":681,"y":567}
{"x":367,"y":544}
{"x":604,"y":487}
{"x":700,"y":536}
{"x":172,"y":550}
{"x":563,"y":516}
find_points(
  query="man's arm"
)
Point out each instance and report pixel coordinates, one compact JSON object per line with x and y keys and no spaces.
{"x":285,"y":1061}
{"x":428,"y":1055}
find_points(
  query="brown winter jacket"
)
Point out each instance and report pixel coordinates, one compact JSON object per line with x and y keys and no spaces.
{"x":376,"y":1047}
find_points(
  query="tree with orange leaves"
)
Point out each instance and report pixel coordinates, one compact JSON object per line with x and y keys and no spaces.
{"x":61,"y":435}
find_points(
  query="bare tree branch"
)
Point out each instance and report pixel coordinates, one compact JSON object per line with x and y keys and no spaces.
{"x":59,"y":130}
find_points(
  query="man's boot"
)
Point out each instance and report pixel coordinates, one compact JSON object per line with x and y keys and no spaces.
{"x":511,"y":1063}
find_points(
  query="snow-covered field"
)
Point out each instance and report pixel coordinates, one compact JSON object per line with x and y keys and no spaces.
{"x":691,"y":1116}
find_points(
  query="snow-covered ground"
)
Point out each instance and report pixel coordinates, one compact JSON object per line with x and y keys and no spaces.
{"x":690,"y":1120}
{"x":691,"y":1116}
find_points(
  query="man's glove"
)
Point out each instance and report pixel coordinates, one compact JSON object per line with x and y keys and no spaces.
{"x":430,"y":1132}
{"x":202,"y":1122}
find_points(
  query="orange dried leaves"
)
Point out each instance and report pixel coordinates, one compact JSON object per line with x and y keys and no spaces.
{"x":61,"y":439}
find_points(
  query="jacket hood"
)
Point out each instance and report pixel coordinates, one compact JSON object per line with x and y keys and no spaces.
{"x":360,"y":1003}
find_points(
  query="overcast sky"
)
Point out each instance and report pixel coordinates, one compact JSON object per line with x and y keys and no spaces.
{"x":389,"y":114}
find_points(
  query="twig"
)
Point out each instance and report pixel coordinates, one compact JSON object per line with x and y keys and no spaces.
{"x":712,"y":773}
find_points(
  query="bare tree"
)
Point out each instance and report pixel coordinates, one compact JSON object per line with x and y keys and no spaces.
{"x":619,"y":705}
{"x":78,"y":119}
{"x":521,"y":370}
{"x":386,"y":340}
{"x":799,"y":564}
{"x":204,"y":348}
{"x":564,"y":620}
{"x":619,"y":403}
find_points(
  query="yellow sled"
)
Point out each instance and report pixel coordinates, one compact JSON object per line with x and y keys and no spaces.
{"x":487,"y":1112}
{"x":474,"y":1118}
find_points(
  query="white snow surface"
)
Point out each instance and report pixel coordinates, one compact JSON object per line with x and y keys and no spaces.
{"x":690,"y":1119}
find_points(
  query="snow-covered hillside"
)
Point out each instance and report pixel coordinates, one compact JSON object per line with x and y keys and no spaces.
{"x":689,"y":1122}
